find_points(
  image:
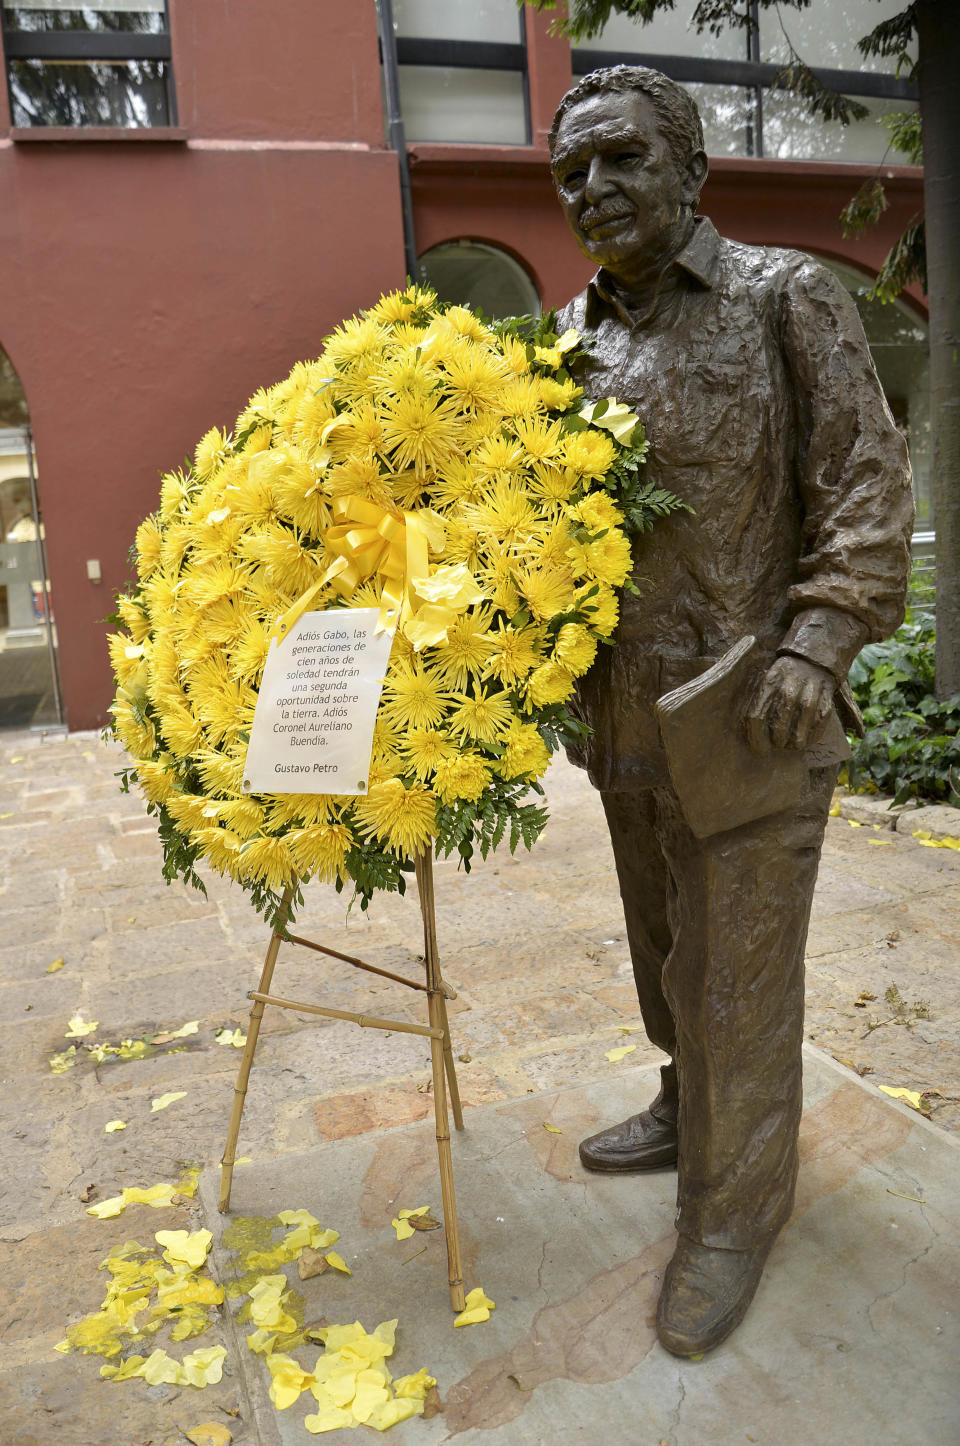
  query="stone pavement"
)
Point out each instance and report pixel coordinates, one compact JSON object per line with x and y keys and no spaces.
{"x":533,"y":944}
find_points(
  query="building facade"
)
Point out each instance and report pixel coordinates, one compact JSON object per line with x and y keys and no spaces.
{"x":192,"y":196}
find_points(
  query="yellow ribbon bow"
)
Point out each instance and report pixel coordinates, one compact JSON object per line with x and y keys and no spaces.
{"x":372,"y":540}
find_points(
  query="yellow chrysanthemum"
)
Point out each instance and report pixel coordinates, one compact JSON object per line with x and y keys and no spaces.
{"x":220,"y":847}
{"x":525,"y":755}
{"x":191,"y":810}
{"x":603,"y":608}
{"x":475,"y":377}
{"x":559,"y":396}
{"x":149,"y":545}
{"x":402,"y":818}
{"x":466,"y":324}
{"x":540,"y":438}
{"x":425,"y":748}
{"x":413,"y":696}
{"x":546,"y":591}
{"x":466,"y":650}
{"x":320,"y":851}
{"x":174,"y":493}
{"x":609,"y":558}
{"x":303,"y":809}
{"x":465,"y":776}
{"x":420,"y":431}
{"x":550,"y":683}
{"x":481,"y":716}
{"x":156,"y":778}
{"x":589,"y":454}
{"x":506,"y":511}
{"x":266,"y":861}
{"x":212,"y":451}
{"x":515,"y":653}
{"x":598,"y":510}
{"x":575,"y":648}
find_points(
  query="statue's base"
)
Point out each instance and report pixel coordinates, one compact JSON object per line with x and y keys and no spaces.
{"x":853,"y":1336}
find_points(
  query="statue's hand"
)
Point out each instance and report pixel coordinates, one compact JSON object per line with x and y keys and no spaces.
{"x":791,"y":706}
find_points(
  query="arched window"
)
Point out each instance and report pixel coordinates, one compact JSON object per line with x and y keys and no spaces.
{"x":474,"y":273}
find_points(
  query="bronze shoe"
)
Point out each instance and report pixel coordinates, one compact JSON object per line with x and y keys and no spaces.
{"x":705,"y":1295}
{"x":644,"y":1142}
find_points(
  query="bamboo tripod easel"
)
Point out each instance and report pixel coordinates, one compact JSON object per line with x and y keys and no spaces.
{"x":437,"y":1030}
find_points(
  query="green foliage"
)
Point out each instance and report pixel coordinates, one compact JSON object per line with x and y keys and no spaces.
{"x":797,"y":77}
{"x":892,"y":36}
{"x":912,"y":743}
{"x":468,"y":827}
{"x":370,"y":870}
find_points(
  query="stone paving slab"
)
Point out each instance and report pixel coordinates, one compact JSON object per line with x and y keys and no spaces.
{"x":853,"y":1337}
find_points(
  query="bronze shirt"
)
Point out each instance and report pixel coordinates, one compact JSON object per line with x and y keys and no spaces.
{"x":764,"y":413}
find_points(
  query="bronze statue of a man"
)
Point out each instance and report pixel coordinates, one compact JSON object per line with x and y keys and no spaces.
{"x":751,"y":372}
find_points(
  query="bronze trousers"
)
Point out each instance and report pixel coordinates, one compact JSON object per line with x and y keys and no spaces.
{"x":717,"y":929}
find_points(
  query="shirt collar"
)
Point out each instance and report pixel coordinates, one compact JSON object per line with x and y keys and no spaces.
{"x":698,"y":258}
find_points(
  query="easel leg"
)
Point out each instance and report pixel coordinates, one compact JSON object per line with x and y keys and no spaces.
{"x":437,"y":1015}
{"x":448,"y":1062}
{"x":253,"y":1031}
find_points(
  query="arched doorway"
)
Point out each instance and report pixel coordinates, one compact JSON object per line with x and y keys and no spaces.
{"x":474,"y":273}
{"x":29,"y":681}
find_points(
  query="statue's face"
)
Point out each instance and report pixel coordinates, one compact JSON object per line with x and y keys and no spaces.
{"x":623,"y":193}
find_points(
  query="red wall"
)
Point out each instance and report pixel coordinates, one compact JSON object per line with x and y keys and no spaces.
{"x":151,"y":281}
{"x":150,"y":285}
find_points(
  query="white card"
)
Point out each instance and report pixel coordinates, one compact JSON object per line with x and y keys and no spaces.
{"x":313,"y":726}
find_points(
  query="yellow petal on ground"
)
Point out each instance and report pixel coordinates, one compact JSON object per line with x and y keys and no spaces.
{"x":125,"y":1371}
{"x":835,"y":811}
{"x":382,"y":1417}
{"x":60,"y":1063}
{"x":261,"y":1342}
{"x":55,"y":967}
{"x":882,"y":843}
{"x":161,"y":1102}
{"x":78,"y":1027}
{"x":477,"y":1307}
{"x":107,"y":1209}
{"x":338,"y":1262}
{"x":913,"y":1098}
{"x":328,"y":1418}
{"x":159,"y":1369}
{"x":203,"y":1367}
{"x":854,"y":823}
{"x":621,"y":1052}
{"x":192,"y":1027}
{"x":923,"y":836}
{"x":297,"y":1217}
{"x":111,"y":1127}
{"x":236,"y":1037}
{"x":551,"y":1128}
{"x":287,"y":1380}
{"x":404,"y":1231}
{"x":408,"y":1214}
{"x":371,"y":1392}
{"x":416,"y":1385}
{"x":192,"y":1249}
{"x":209,"y":1433}
{"x":155,"y":1195}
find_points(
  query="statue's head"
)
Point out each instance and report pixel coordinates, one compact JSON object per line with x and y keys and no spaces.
{"x":627,"y":155}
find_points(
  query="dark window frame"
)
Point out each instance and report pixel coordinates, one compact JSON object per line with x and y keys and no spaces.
{"x":94,"y":45}
{"x":472,"y":55}
{"x":750,"y":73}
